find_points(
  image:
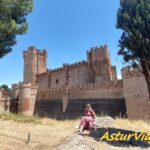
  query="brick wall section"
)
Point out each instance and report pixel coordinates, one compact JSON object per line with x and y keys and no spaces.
{"x":138,"y":108}
{"x":95,"y":69}
{"x":73,"y":74}
{"x":27,"y":98}
{"x":136,"y":94}
{"x":4,"y":101}
{"x":75,"y":109}
{"x":106,"y":98}
{"x":100,"y":90}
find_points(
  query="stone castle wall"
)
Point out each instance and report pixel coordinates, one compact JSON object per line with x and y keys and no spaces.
{"x":92,"y":90}
{"x":24,"y":97}
{"x":97,"y":68}
{"x":136,"y":94}
{"x":75,"y":109}
{"x":94,"y":79}
{"x":106,"y":98}
{"x":66,"y":90}
{"x":4,"y":101}
{"x":74,"y":74}
{"x":128,"y":96}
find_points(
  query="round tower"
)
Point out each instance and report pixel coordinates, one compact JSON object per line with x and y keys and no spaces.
{"x":24,"y":99}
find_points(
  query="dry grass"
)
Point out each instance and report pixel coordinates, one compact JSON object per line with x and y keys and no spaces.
{"x":46,"y":133}
{"x":138,"y":125}
{"x":20,"y":118}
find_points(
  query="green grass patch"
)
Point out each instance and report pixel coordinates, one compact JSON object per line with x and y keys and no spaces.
{"x":20,"y":118}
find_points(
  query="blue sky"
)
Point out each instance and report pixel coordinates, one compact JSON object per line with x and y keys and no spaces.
{"x":67,"y":29}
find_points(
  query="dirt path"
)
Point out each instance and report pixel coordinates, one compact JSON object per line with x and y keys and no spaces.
{"x":13,"y":135}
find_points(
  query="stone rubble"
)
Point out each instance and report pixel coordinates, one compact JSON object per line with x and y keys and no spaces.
{"x":104,"y":122}
{"x":78,"y":142}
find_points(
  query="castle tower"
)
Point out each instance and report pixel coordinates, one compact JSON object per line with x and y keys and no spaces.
{"x":27,"y":98}
{"x":35,"y":62}
{"x":98,"y":60}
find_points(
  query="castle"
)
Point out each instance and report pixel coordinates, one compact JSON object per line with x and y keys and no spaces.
{"x":66,"y":90}
{"x":97,"y":68}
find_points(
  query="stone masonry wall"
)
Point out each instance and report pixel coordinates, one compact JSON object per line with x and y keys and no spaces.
{"x":97,"y":68}
{"x":27,"y":98}
{"x":74,"y":75}
{"x":23,"y":98}
{"x":56,"y":79}
{"x":75,"y":109}
{"x":43,"y":81}
{"x":136,"y":94}
{"x":4,"y":101}
{"x":106,"y":98}
{"x":79,"y":74}
{"x":105,"y":89}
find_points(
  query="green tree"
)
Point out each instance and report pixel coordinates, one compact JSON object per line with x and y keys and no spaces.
{"x":5,"y":87}
{"x":12,"y":22}
{"x":133,"y":18}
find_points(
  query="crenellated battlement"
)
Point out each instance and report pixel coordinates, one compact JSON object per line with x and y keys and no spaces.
{"x":43,"y":74}
{"x":15,"y":86}
{"x":25,"y":85}
{"x":102,"y":48}
{"x":78,"y":64}
{"x":57,"y":70}
{"x":69,"y":66}
{"x":96,"y":54}
{"x":100,"y":85}
{"x":34,"y":50}
{"x":97,"y":68}
{"x":129,"y":72}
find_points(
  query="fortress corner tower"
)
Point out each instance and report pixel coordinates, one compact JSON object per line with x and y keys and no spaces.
{"x":35,"y":62}
{"x":99,"y":62}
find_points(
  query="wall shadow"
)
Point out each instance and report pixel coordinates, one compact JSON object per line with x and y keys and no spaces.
{"x":75,"y":109}
{"x":120,"y":143}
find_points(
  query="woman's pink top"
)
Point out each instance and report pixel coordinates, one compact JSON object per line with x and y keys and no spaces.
{"x":90,"y":114}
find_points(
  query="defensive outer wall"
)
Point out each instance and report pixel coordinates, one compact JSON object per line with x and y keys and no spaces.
{"x":127,"y":97}
{"x":105,"y":97}
{"x":136,"y":94}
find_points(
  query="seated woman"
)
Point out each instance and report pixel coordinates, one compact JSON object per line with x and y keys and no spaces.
{"x":88,"y":120}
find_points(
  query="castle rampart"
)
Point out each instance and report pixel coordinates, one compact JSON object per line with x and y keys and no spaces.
{"x":136,"y":94}
{"x":92,"y":78}
{"x":97,"y":68}
{"x":23,"y":98}
{"x":27,"y":98}
{"x":91,"y":90}
{"x":4,"y":101}
{"x":66,"y":90}
{"x":105,"y":94}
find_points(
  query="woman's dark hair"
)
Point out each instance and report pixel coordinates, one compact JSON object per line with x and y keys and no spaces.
{"x":88,"y":105}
